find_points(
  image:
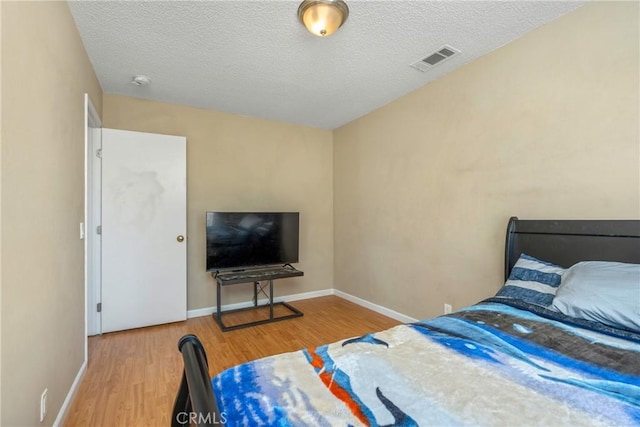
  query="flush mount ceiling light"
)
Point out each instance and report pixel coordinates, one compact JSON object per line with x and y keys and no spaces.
{"x":323,"y":17}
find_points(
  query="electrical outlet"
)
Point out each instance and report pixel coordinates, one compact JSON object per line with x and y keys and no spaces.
{"x":43,"y":405}
{"x":447,"y":308}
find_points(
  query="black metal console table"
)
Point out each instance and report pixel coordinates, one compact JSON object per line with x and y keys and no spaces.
{"x":256,"y":276}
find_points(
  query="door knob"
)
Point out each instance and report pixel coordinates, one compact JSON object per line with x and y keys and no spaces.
{"x":180,"y":238}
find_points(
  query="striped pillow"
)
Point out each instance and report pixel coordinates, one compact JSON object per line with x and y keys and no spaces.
{"x":532,"y":280}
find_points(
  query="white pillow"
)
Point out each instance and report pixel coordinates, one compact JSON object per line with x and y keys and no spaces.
{"x":605,"y":292}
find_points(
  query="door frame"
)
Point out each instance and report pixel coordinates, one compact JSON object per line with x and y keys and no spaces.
{"x":92,"y":244}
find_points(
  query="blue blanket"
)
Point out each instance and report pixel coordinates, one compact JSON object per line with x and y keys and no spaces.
{"x":490,"y":364}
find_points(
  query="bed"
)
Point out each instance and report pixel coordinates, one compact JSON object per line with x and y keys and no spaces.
{"x":558,"y":345}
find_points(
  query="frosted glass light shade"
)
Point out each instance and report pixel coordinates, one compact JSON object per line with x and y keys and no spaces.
{"x":323,"y":17}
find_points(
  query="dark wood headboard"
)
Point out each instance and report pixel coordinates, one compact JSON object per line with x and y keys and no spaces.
{"x":566,"y":242}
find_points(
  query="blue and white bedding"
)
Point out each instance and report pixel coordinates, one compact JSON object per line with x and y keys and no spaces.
{"x":490,"y":364}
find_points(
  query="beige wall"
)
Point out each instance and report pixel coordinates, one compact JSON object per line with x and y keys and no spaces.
{"x":45,"y":73}
{"x":237,"y":163}
{"x":546,"y":127}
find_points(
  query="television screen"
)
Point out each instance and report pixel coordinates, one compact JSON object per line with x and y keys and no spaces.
{"x":247,"y":239}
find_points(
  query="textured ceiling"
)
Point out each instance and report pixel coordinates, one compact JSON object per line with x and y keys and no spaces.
{"x":254,"y":57}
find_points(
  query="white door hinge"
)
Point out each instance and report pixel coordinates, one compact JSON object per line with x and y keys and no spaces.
{"x":99,"y":230}
{"x":99,"y":153}
{"x":99,"y":307}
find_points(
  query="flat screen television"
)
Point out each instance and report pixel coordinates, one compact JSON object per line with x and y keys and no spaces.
{"x":250,"y":239}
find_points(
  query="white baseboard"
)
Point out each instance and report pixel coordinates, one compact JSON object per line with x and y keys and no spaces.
{"x":207,"y":311}
{"x":375,"y":307}
{"x":305,"y":295}
{"x":62,"y":413}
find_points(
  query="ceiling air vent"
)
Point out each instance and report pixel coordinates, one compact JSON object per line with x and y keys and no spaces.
{"x":435,"y":58}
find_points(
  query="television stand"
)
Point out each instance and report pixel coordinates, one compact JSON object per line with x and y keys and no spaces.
{"x":268,"y":274}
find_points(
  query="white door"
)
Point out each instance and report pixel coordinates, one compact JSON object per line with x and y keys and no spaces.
{"x":144,"y":268}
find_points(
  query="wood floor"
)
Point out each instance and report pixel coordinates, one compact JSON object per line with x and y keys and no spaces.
{"x":133,"y":376}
